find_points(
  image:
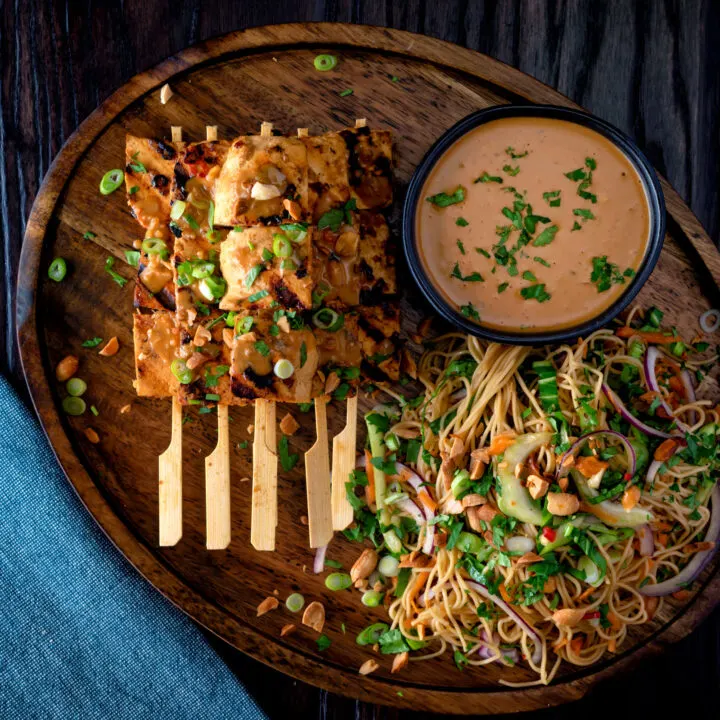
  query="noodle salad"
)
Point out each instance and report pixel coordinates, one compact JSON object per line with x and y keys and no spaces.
{"x":533,"y":504}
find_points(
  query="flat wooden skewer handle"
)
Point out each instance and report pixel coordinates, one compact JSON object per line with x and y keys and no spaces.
{"x":317,"y":481}
{"x":264,"y":492}
{"x":217,"y":487}
{"x":170,"y":483}
{"x":343,"y":463}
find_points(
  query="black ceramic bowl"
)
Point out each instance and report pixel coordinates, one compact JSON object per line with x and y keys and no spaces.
{"x":648,"y":177}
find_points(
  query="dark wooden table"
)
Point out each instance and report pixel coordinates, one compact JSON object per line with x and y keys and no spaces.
{"x":649,"y":66}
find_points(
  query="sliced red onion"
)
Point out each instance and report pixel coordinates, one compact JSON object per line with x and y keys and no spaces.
{"x":575,"y":447}
{"x":510,"y":654}
{"x":647,"y":540}
{"x":700,"y":560}
{"x":529,"y":630}
{"x":617,"y":403}
{"x":689,"y":386}
{"x":417,"y":484}
{"x":710,"y":321}
{"x":319,"y":563}
{"x":651,"y":357}
{"x":409,"y":507}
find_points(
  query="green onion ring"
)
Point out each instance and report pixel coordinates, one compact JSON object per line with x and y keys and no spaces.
{"x":111,"y":181}
{"x":57,"y":269}
{"x":323,"y":63}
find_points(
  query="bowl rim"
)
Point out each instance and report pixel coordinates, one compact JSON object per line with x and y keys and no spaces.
{"x":643,"y":167}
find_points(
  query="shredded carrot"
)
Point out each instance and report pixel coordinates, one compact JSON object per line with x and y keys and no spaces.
{"x":500,"y":443}
{"x":666,"y":449}
{"x":587,"y":594}
{"x":590,"y":465}
{"x":662,"y":539}
{"x":560,"y":644}
{"x":613,"y":620}
{"x":370,"y":469}
{"x":663,"y":526}
{"x":656,"y":338}
{"x":682,"y":595}
{"x":651,"y":605}
{"x":417,"y":585}
{"x":577,"y":643}
{"x":563,"y":483}
{"x":630,"y":498}
{"x":650,"y":564}
{"x":426,"y":499}
{"x":677,"y":385}
{"x":504,"y":594}
{"x":612,"y":645}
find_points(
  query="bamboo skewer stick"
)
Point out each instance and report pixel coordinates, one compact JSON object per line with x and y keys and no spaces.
{"x":217,"y":466}
{"x":343,"y":463}
{"x":170,"y":483}
{"x":317,"y":481}
{"x":263,"y":519}
{"x":217,"y":487}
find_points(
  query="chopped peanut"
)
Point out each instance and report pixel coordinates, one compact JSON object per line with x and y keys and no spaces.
{"x":368,"y":667}
{"x":458,"y":448}
{"x":92,"y":436}
{"x":314,"y":616}
{"x":165,"y":94}
{"x":332,"y":383}
{"x":202,"y":336}
{"x":124,"y":409}
{"x":424,"y":326}
{"x":477,"y":468}
{"x":537,"y":486}
{"x":289,"y":425}
{"x":364,"y":565}
{"x":66,"y":368}
{"x":407,"y":433}
{"x":481,"y":454}
{"x":568,"y":617}
{"x":562,"y":503}
{"x":287,"y":629}
{"x":473,"y":500}
{"x":400,"y":661}
{"x":447,"y":468}
{"x":196,"y":360}
{"x":473,"y":519}
{"x":228,"y":336}
{"x":529,"y":558}
{"x":283,"y":324}
{"x":666,"y":449}
{"x":293,"y":208}
{"x":486,"y":512}
{"x":110,"y":348}
{"x":268,"y":604}
{"x":630,"y":498}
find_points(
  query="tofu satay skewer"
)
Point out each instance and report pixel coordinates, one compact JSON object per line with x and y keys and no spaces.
{"x":263,"y":519}
{"x":343,"y":463}
{"x":317,"y":470}
{"x":217,"y":466}
{"x":170,"y":463}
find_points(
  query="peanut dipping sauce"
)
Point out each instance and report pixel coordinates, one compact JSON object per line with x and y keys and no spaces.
{"x":528,"y":248}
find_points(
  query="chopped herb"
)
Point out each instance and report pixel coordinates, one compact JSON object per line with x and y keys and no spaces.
{"x":515,"y":155}
{"x":469,"y":311}
{"x":535,"y":292}
{"x":542,"y":261}
{"x":483,"y":252}
{"x":252,"y":276}
{"x":472,"y":277}
{"x":502,"y":287}
{"x":576,"y":175}
{"x":303,"y":354}
{"x":487,"y":178}
{"x":583,"y":213}
{"x":546,"y":236}
{"x":395,"y":78}
{"x":94,"y":410}
{"x":262,"y":347}
{"x":552,"y":198}
{"x":243,"y":445}
{"x":89,"y":235}
{"x":259,"y":295}
{"x":133,"y":190}
{"x":288,"y":460}
{"x":444,"y":200}
{"x":605,"y":274}
{"x":576,"y":226}
{"x":591,"y":163}
{"x":212,"y":397}
{"x":462,"y":222}
{"x":94,"y":342}
{"x":527,"y":275}
{"x":191,"y":221}
{"x":345,"y":93}
{"x":132,"y":257}
{"x":323,"y":643}
{"x":119,"y":279}
{"x":510,"y":170}
{"x":461,"y":247}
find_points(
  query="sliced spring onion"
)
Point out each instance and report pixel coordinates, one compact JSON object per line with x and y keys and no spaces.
{"x":393,"y":442}
{"x":323,"y":63}
{"x":57,"y":270}
{"x":389,"y":566}
{"x":371,"y":598}
{"x":547,"y":385}
{"x":327,"y":319}
{"x":181,"y":371}
{"x":155,"y":246}
{"x":460,"y":483}
{"x":212,"y":288}
{"x":295,"y":602}
{"x":111,"y":181}
{"x":288,"y":265}
{"x":200,"y":203}
{"x":591,"y":570}
{"x":281,"y":246}
{"x":73,"y":405}
{"x":297,"y":232}
{"x":177,"y":210}
{"x":338,"y":581}
{"x":76,"y":387}
{"x":202,"y":269}
{"x":371,"y":634}
{"x":211,"y":216}
{"x":710,"y":320}
{"x":243,"y":325}
{"x":230,"y":318}
{"x":283,"y":369}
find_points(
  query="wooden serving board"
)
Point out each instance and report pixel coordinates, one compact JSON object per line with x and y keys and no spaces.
{"x":235,"y":82}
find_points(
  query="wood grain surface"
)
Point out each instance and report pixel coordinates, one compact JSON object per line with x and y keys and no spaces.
{"x":50,"y":123}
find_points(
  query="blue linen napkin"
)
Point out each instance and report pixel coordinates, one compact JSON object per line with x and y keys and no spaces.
{"x":82,"y":635}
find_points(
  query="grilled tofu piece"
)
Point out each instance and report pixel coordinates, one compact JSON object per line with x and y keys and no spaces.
{"x":149,"y":169}
{"x":370,"y":166}
{"x":257,"y":347}
{"x":155,"y":337}
{"x":328,"y":173}
{"x":264,"y":265}
{"x":379,"y":335}
{"x":264,"y":181}
{"x":201,"y":161}
{"x":355,"y":265}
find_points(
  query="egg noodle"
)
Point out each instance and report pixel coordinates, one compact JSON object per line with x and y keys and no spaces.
{"x":559,"y":489}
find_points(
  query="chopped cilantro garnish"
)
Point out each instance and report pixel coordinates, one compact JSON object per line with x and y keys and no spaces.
{"x":444,"y":200}
{"x":536,"y":292}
